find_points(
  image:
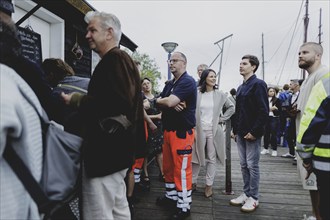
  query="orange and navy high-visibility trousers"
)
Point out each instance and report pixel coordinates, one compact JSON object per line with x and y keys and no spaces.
{"x":177,"y":167}
{"x":138,"y":163}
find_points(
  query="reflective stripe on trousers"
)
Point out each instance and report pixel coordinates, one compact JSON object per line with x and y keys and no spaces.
{"x":177,"y":167}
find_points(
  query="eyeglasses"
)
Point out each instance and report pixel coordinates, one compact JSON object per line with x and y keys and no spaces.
{"x":174,"y":61}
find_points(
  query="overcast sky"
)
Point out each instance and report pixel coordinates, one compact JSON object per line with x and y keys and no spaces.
{"x":197,"y":25}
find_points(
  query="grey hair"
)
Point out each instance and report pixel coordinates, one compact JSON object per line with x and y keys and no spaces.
{"x":203,"y":66}
{"x":107,"y":21}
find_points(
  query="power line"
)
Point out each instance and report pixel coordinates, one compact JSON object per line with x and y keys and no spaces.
{"x":293,"y":34}
{"x":281,"y":43}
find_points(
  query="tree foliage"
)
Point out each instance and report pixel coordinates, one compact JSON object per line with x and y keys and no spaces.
{"x":148,"y":68}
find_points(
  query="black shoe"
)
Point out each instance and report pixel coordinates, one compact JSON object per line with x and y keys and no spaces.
{"x":180,"y":214}
{"x":194,"y":187}
{"x":146,"y":181}
{"x":133,"y":199}
{"x":165,"y":202}
{"x":161,"y":177}
{"x":141,"y":187}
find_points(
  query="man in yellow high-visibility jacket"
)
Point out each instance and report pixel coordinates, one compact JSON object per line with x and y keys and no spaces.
{"x":309,"y":59}
{"x":313,"y":141}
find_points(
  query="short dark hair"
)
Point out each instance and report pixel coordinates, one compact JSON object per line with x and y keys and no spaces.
{"x":286,"y":87}
{"x":253,"y":60}
{"x":145,"y":78}
{"x":273,"y":87}
{"x":232,"y":91}
{"x":56,"y":70}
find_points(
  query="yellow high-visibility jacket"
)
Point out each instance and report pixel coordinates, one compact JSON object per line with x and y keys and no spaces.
{"x":313,"y":140}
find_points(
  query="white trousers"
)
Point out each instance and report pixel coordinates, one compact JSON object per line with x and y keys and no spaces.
{"x":105,"y":197}
{"x":211,"y":159}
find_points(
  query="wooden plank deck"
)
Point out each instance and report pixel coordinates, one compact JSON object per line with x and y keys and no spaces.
{"x":281,"y":193}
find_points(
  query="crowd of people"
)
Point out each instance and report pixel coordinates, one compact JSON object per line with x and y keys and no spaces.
{"x":124,"y":125}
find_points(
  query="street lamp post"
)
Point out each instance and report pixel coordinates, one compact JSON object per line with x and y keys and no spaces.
{"x":169,"y":48}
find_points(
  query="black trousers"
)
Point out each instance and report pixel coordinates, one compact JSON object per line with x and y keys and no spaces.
{"x":323,"y":185}
{"x":270,"y":136}
{"x":291,"y":138}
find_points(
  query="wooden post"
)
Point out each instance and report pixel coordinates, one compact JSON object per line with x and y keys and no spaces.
{"x":228,"y":190}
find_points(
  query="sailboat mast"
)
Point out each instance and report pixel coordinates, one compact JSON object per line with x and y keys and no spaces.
{"x":320,"y":27}
{"x":263,"y":57}
{"x":306,"y":21}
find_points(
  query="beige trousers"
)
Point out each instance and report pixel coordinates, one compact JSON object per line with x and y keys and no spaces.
{"x":105,"y":197}
{"x":211,"y":159}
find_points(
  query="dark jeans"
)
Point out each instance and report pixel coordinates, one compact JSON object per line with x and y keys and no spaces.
{"x":292,"y":136}
{"x":323,"y":183}
{"x":271,"y":129}
{"x":282,"y":131}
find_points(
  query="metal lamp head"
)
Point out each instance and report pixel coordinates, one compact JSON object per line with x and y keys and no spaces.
{"x":169,"y":46}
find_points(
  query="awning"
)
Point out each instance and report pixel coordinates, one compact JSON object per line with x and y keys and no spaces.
{"x":83,"y":7}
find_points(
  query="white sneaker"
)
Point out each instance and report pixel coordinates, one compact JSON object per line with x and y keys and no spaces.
{"x":239,"y":200}
{"x":264,"y":151}
{"x":250,"y":205}
{"x":274,"y":153}
{"x":309,"y":217}
{"x":287,"y":155}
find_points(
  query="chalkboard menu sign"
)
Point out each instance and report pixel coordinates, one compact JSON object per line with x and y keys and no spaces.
{"x":31,"y":45}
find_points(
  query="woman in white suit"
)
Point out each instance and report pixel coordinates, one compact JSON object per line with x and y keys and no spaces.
{"x":212,"y":110}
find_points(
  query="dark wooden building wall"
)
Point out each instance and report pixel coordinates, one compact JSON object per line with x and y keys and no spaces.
{"x":75,"y":31}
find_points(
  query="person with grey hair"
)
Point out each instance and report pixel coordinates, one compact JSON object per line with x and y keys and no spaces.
{"x":106,"y":21}
{"x":200,"y":69}
{"x":113,"y":109}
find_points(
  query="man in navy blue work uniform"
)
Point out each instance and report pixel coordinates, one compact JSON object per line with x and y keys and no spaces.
{"x":178,"y":104}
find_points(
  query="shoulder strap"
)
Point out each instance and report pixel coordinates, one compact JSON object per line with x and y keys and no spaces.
{"x":24,"y":175}
{"x":73,"y":87}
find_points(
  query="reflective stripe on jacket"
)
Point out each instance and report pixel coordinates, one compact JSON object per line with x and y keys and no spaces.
{"x":313,"y":140}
